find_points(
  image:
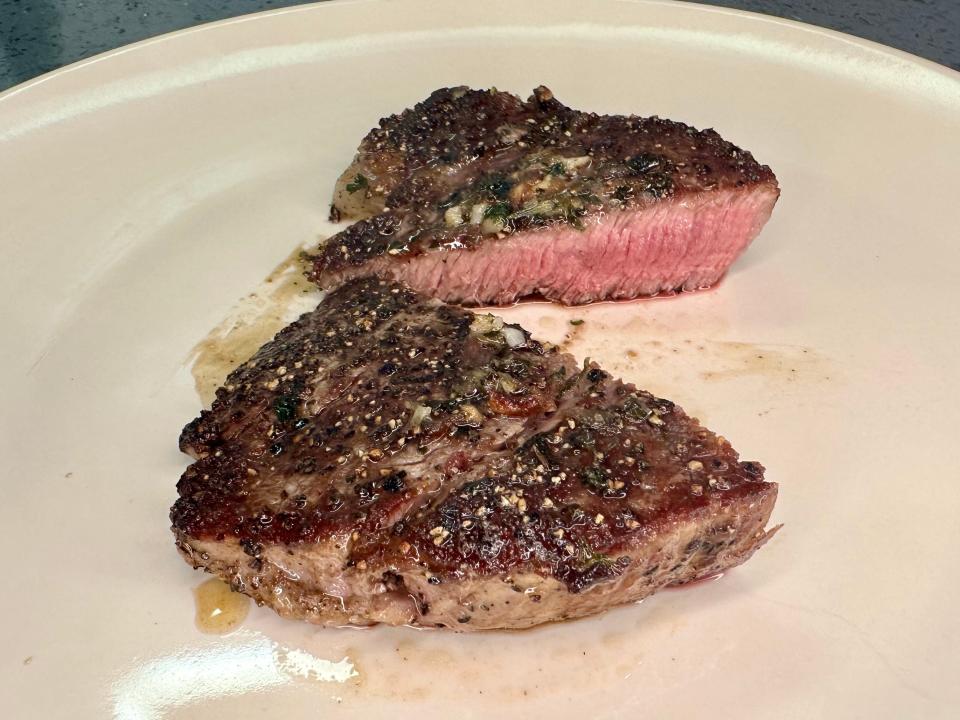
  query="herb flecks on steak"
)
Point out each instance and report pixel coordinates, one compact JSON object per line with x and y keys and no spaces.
{"x":389,"y":458}
{"x":456,"y":195}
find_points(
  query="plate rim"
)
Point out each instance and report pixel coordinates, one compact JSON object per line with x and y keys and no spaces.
{"x":320,"y":5}
{"x":81,"y":83}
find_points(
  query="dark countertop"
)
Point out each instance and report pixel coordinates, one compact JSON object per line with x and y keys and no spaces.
{"x":37,"y":36}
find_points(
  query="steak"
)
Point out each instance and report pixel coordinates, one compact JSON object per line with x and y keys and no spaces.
{"x":476,"y":197}
{"x":388,"y":458}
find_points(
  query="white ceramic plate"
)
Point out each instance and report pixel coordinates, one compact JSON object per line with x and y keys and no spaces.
{"x":144,"y":191}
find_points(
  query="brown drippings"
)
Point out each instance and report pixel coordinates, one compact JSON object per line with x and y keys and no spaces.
{"x":699,"y":374}
{"x":588,"y":655}
{"x":252,"y":322}
{"x":443,"y":665}
{"x":717,"y":360}
{"x":219,"y":609}
{"x":575,"y":329}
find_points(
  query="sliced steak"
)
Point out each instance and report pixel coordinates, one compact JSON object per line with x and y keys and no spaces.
{"x":388,"y":458}
{"x":477,"y":197}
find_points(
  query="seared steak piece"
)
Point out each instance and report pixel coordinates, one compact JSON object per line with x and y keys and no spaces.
{"x":388,"y":458}
{"x":477,"y":197}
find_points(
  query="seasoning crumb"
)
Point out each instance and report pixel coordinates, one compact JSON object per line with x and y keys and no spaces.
{"x":439,"y":535}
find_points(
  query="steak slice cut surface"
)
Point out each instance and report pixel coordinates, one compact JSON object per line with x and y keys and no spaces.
{"x":477,"y":197}
{"x":388,"y":458}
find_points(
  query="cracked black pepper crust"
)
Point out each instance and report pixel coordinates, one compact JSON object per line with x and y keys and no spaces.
{"x":434,"y":437}
{"x":466,"y":166}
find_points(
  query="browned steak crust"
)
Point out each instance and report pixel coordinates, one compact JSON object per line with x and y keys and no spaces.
{"x":389,"y":458}
{"x":467,"y":167}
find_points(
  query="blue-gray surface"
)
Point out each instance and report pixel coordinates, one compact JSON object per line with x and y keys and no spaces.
{"x":40,"y":35}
